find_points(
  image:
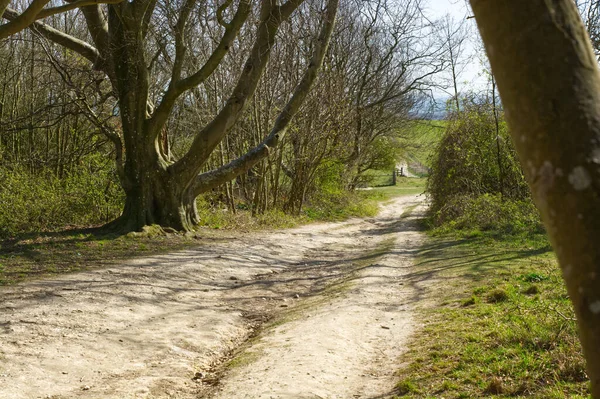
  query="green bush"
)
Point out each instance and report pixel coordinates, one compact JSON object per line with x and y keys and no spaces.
{"x":477,"y":182}
{"x":467,"y":161}
{"x":488,"y":212}
{"x":43,"y":202}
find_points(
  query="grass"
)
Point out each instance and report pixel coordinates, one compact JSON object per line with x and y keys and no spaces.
{"x":362,"y":203}
{"x":404,"y":186}
{"x":242,"y":220}
{"x":498,"y":322}
{"x":379,"y":178}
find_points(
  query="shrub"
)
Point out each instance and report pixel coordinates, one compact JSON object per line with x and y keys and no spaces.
{"x":43,"y":202}
{"x":488,"y":212}
{"x":467,"y":162}
{"x":477,"y":182}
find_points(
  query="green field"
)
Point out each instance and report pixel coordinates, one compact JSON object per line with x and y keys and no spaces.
{"x":420,"y":138}
{"x":417,"y":141}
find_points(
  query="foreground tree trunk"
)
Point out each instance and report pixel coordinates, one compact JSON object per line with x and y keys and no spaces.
{"x":549,"y":82}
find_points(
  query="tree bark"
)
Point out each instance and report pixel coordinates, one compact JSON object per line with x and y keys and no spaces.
{"x":549,"y":82}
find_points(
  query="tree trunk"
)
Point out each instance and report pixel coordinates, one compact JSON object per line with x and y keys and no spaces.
{"x":152,"y":197}
{"x":549,"y":81}
{"x":300,"y":183}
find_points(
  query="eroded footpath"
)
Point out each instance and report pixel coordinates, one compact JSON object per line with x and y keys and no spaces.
{"x":328,"y":302}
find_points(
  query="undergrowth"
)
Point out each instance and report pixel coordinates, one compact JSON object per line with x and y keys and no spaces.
{"x":327,"y":207}
{"x":487,"y":213}
{"x":44,"y":202}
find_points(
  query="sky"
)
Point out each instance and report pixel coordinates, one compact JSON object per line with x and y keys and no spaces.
{"x":439,"y":8}
{"x":471,"y":77}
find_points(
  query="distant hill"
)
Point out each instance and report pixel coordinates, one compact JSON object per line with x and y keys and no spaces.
{"x":433,"y":109}
{"x":419,"y":139}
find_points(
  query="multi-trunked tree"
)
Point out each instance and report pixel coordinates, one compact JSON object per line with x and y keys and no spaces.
{"x":159,"y":189}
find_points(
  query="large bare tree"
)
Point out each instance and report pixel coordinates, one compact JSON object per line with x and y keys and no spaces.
{"x":549,"y":81}
{"x":129,"y":38}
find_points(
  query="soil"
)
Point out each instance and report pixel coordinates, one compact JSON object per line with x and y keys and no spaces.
{"x":320,"y":311}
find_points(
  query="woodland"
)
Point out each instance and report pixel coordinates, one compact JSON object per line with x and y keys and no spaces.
{"x":229,"y":114}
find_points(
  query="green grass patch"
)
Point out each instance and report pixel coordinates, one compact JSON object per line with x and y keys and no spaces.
{"x":378,"y":178}
{"x":404,"y":186}
{"x":362,"y":203}
{"x":222,"y":218}
{"x":498,"y":322}
{"x":341,"y":206}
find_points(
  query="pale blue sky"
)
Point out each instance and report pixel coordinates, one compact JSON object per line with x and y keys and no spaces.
{"x":471,"y":77}
{"x":439,"y":8}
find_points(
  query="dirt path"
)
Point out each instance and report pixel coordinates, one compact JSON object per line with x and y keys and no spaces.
{"x":330,"y":298}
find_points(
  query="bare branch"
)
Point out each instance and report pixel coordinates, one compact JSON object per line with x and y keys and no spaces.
{"x":3,"y":6}
{"x":208,"y":138}
{"x":18,"y":22}
{"x":180,"y":48}
{"x":220,"y":12}
{"x":286,"y":9}
{"x":47,"y":12}
{"x":98,"y":28}
{"x":178,"y":86}
{"x":79,"y":46}
{"x":36,"y":11}
{"x":206,"y":181}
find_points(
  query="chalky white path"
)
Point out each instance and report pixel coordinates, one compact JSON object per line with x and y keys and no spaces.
{"x":349,"y":347}
{"x":143,"y":329}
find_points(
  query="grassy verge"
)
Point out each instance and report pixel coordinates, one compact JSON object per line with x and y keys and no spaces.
{"x":362,"y":203}
{"x":326,"y":208}
{"x":404,"y":186}
{"x":498,"y":322}
{"x":40,"y":255}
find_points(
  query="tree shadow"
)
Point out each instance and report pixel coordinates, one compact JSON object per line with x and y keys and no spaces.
{"x":464,"y":258}
{"x":40,"y":254}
